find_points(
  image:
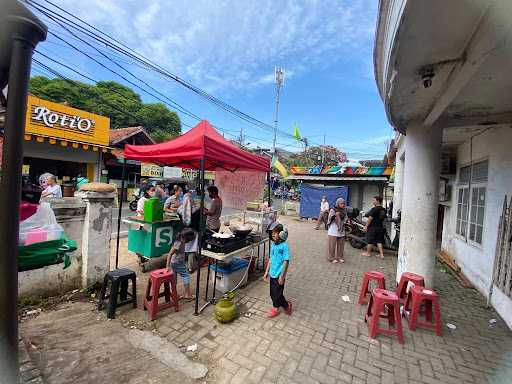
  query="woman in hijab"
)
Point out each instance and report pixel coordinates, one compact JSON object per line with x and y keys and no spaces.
{"x":336,"y":231}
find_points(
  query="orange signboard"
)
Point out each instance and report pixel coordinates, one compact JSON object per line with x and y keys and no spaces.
{"x":50,"y":119}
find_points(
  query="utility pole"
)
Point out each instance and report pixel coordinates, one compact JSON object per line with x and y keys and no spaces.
{"x":323,"y":152}
{"x":279,"y":72}
{"x":20,"y":32}
{"x":242,"y":138}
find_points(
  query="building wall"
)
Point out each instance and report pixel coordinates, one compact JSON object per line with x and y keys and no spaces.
{"x":353,"y":195}
{"x":370,"y":190}
{"x":477,"y":261}
{"x":51,"y":280}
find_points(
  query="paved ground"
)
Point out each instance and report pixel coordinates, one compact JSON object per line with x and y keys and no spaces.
{"x":325,"y":341}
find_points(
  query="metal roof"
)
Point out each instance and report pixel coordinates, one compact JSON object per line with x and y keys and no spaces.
{"x":336,"y":178}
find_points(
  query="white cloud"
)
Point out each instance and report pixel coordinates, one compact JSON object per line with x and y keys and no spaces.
{"x":233,"y":45}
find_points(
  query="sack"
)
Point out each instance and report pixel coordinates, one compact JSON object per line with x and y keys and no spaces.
{"x":45,"y":253}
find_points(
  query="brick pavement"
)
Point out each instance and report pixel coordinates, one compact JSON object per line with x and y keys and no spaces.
{"x":326,"y":339}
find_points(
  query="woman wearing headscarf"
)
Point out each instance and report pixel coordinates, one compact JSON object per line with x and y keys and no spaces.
{"x":336,"y":231}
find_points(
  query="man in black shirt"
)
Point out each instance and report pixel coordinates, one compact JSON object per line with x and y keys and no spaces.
{"x":375,"y":227}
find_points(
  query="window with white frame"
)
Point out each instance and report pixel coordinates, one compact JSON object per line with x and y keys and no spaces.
{"x":471,"y":196}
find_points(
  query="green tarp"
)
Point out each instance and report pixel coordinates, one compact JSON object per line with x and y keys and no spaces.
{"x":45,"y":253}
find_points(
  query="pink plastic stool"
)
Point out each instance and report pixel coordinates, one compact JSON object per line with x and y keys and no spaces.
{"x":367,"y":277}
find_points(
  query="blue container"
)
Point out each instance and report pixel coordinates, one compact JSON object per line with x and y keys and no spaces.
{"x":235,"y":265}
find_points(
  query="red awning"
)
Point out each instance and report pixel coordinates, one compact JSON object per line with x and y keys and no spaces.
{"x":201,"y":142}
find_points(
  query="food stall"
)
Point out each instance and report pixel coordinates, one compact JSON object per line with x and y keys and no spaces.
{"x":204,"y":149}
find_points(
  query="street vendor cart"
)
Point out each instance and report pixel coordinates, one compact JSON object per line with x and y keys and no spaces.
{"x":151,"y":239}
{"x":204,"y":149}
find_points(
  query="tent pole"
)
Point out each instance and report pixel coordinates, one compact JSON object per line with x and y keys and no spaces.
{"x":119,"y":212}
{"x":269,"y":190}
{"x":200,"y":240}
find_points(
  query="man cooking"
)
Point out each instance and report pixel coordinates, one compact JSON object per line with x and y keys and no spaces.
{"x":215,"y":210}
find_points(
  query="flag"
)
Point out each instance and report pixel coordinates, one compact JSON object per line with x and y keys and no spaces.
{"x":279,"y":166}
{"x":296,"y":131}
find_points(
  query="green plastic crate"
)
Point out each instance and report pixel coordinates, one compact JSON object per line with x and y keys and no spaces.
{"x":153,"y":210}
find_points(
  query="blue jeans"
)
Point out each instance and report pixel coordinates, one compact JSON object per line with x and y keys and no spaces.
{"x":181,"y":269}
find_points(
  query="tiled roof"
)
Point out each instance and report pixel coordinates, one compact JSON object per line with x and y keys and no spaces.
{"x":120,"y":134}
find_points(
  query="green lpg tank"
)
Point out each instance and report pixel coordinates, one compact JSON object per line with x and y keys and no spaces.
{"x":225,"y":310}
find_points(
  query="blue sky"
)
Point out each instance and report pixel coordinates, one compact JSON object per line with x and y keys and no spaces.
{"x":230,"y":48}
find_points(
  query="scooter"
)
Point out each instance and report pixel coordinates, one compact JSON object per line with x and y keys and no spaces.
{"x":357,"y":236}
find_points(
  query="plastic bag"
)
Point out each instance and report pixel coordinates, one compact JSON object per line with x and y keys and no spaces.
{"x":41,"y":226}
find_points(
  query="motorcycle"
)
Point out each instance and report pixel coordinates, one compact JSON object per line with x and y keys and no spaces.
{"x":357,"y":236}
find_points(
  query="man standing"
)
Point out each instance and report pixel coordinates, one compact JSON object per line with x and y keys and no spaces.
{"x":161,"y":192}
{"x":375,"y":227}
{"x":324,"y":212}
{"x":213,"y":214}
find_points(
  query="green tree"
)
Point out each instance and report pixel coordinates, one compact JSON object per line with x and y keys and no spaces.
{"x":121,"y":104}
{"x":159,"y":120}
{"x":116,"y":101}
{"x":60,"y":91}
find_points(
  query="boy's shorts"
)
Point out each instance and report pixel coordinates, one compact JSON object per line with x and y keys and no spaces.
{"x":181,"y":269}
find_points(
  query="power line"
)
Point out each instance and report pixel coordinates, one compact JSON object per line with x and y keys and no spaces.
{"x":121,"y":49}
{"x":174,"y":104}
{"x":57,"y":74}
{"x":148,"y":64}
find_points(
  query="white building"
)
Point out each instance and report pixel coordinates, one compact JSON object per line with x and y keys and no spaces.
{"x":443,"y":72}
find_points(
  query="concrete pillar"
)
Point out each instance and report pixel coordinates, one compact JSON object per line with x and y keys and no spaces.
{"x":97,"y":230}
{"x":419,"y":202}
{"x":398,"y":183}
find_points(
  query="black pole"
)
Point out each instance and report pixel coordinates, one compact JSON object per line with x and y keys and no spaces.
{"x":20,"y":31}
{"x":119,"y":212}
{"x":200,"y":240}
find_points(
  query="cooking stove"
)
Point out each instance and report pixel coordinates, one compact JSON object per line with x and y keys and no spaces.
{"x":219,"y":245}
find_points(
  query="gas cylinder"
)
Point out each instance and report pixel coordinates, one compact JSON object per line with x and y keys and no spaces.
{"x":225,"y":310}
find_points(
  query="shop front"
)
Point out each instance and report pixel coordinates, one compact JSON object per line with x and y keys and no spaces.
{"x":64,"y":141}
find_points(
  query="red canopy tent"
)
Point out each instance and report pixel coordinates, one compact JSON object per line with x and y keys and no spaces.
{"x":201,"y":143}
{"x":201,"y":148}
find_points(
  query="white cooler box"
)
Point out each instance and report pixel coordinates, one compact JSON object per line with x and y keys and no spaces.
{"x":229,"y":277}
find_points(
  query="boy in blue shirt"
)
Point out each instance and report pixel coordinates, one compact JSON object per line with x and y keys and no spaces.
{"x":276,"y":270}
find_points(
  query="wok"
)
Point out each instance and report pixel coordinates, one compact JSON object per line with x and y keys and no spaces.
{"x":241,"y":231}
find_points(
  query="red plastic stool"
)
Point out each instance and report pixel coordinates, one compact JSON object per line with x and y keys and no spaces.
{"x":381,"y":300}
{"x":367,"y":277}
{"x":407,"y":277}
{"x":156,"y":279}
{"x":430,"y":300}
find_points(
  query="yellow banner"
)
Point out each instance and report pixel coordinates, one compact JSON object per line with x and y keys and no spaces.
{"x":281,"y":168}
{"x":151,"y":170}
{"x":57,"y":120}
